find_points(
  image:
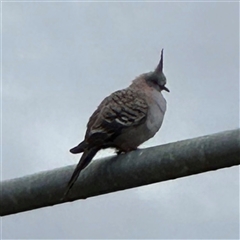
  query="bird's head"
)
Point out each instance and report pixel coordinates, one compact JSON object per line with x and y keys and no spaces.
{"x":157,"y":77}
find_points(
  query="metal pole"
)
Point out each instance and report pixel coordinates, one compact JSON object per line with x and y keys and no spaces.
{"x":137,"y":168}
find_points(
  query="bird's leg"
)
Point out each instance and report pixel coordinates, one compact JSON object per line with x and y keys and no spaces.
{"x":119,"y":151}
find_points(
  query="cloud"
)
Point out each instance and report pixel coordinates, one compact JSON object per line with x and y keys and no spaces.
{"x":61,"y":59}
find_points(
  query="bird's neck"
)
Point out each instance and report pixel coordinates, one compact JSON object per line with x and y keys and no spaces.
{"x":139,"y":82}
{"x":142,"y":82}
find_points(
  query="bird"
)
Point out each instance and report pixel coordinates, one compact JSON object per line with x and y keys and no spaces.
{"x":124,"y":120}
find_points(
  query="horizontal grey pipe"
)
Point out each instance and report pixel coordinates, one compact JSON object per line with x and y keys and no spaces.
{"x":137,"y":168}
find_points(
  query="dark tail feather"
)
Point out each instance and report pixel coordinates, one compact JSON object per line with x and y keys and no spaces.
{"x":86,"y":158}
{"x":79,"y":148}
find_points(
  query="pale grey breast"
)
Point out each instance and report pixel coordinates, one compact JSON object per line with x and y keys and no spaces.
{"x":138,"y":135}
{"x":156,"y":112}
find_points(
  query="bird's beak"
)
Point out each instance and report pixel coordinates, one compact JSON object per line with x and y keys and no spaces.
{"x":165,"y":88}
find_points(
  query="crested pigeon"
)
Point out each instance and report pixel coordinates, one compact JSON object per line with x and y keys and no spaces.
{"x":125,"y":119}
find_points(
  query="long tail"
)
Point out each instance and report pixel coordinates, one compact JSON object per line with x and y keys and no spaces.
{"x":86,"y":158}
{"x":79,"y":148}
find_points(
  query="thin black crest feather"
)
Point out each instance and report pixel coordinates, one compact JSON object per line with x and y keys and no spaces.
{"x":160,"y":65}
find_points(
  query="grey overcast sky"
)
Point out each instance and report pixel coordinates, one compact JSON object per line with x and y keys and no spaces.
{"x":60,"y":59}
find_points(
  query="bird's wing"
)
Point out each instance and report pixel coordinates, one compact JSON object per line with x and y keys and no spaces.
{"x":120,"y":111}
